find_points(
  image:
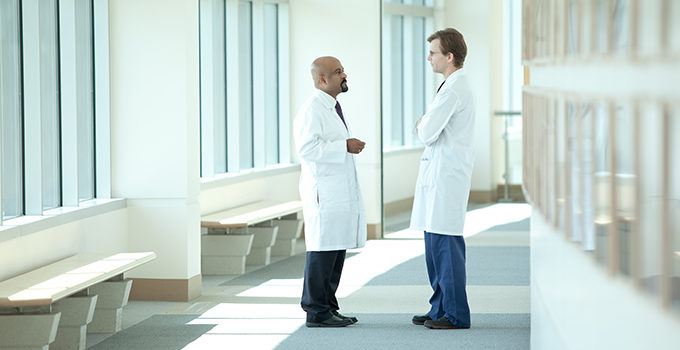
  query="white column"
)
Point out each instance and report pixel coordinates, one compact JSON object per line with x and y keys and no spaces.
{"x":154,"y":67}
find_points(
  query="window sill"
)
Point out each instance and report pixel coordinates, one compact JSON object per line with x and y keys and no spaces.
{"x":27,"y":224}
{"x":247,"y":175}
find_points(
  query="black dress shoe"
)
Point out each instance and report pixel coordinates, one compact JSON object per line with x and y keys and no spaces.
{"x":334,"y":321}
{"x":420,"y":320}
{"x":443,"y":323}
{"x":353,"y":319}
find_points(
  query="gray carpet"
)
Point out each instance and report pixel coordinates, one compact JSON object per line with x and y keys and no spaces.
{"x":374,"y":331}
{"x":168,"y":332}
{"x":394,"y":331}
{"x":486,"y":266}
{"x":288,"y":268}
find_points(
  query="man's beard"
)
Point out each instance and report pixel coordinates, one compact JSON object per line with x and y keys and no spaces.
{"x":343,"y":86}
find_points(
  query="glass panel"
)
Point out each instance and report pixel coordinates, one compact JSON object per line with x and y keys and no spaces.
{"x":49,"y":94}
{"x":11,"y":159}
{"x":648,"y":27}
{"x":621,"y":23}
{"x":245,"y":44}
{"x":572,"y":26}
{"x":602,"y":181}
{"x":271,"y":88}
{"x":650,"y":196}
{"x":213,"y":88}
{"x":395,"y":137}
{"x":587,"y":177}
{"x":587,"y":20}
{"x":673,"y":29}
{"x":674,"y":205}
{"x":85,"y":99}
{"x":419,"y":61}
{"x":560,"y":159}
{"x":625,"y":178}
{"x":575,"y":178}
{"x":601,"y":26}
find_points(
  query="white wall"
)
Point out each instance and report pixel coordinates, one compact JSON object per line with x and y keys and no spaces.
{"x":278,"y":187}
{"x":576,"y":305}
{"x":103,"y":233}
{"x":481,"y":25}
{"x":155,"y":130}
{"x":350,"y":31}
{"x":401,"y":171}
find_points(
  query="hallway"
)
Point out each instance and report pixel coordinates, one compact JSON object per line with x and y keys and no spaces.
{"x":383,"y":284}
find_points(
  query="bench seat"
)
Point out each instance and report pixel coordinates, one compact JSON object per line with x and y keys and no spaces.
{"x":55,"y":303}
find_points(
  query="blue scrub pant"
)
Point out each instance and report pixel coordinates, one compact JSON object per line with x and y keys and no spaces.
{"x":445,"y":258}
{"x":322,"y":277}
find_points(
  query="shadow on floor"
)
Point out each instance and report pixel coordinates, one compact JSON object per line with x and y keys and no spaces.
{"x":167,"y":332}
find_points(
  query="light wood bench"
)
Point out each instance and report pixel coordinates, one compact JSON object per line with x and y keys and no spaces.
{"x":248,"y":234}
{"x":55,"y":303}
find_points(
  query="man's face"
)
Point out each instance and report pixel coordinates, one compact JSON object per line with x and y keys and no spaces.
{"x":336,"y":79}
{"x":437,"y":59}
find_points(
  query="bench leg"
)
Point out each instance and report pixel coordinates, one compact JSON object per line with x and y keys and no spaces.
{"x":263,"y":240}
{"x":289,"y":232}
{"x":76,"y":313}
{"x":28,"y":331}
{"x":225,"y":254}
{"x":112,"y":296}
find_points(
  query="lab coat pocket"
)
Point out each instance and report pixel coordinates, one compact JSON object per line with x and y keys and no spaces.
{"x":333,"y":192}
{"x":426,"y":172}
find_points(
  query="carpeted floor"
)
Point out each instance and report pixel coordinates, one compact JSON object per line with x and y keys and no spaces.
{"x":383,"y":284}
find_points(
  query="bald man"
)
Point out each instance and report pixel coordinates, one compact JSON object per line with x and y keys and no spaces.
{"x":331,"y":200}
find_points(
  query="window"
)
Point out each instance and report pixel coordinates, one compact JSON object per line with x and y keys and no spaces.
{"x":47,"y":109}
{"x":11,"y":110}
{"x":407,"y":77}
{"x":244,"y":117}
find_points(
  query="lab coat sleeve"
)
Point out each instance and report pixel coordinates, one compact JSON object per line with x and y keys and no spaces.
{"x":438,"y":115}
{"x":313,"y":147}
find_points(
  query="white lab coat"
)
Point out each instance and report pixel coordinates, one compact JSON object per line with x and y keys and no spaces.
{"x":331,"y":200}
{"x":444,"y":177}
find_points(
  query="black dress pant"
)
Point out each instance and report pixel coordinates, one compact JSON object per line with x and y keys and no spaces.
{"x":322,"y":277}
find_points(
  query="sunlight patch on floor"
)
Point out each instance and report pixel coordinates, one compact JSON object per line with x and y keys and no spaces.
{"x":251,"y":326}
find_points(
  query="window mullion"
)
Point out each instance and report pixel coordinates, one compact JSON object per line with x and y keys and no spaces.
{"x":69,"y":105}
{"x":32,"y":107}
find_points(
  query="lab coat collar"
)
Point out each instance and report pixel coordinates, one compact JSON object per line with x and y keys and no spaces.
{"x":455,"y":75}
{"x":327,"y":100}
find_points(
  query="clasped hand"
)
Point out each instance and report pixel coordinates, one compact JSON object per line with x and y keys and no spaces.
{"x":355,"y":146}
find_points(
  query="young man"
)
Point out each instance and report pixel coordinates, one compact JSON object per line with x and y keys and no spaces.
{"x":332,"y":204}
{"x":443,"y":184}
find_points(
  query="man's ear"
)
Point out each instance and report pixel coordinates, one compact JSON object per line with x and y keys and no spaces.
{"x":450,"y":58}
{"x":322,"y":79}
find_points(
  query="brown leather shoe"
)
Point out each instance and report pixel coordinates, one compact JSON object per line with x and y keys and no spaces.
{"x":442,"y":323}
{"x":333,"y":321}
{"x":420,"y":319}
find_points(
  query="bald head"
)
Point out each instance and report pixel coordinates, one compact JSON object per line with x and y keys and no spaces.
{"x":329,"y":75}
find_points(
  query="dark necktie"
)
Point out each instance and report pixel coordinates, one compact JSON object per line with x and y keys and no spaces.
{"x":339,"y":110}
{"x":440,"y":86}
